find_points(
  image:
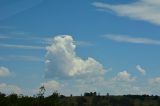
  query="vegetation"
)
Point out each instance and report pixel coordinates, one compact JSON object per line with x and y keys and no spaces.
{"x":89,"y":99}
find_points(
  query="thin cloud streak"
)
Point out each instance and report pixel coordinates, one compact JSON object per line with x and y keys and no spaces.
{"x":18,"y":8}
{"x":84,"y":43}
{"x":45,"y":40}
{"x":5,"y":27}
{"x":21,"y":46}
{"x":4,"y":37}
{"x":135,"y":40}
{"x":21,"y":58}
{"x":141,"y":70}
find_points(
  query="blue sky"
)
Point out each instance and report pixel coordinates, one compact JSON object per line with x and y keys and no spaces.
{"x":116,"y":44}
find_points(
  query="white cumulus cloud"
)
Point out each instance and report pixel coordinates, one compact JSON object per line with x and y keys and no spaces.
{"x":124,"y":76}
{"x":62,"y":60}
{"x":51,"y":85}
{"x":146,"y":10}
{"x":4,"y":72}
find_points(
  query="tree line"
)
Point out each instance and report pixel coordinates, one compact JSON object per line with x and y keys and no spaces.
{"x":87,"y":99}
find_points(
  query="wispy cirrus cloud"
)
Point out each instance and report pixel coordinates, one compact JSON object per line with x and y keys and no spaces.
{"x":146,"y":10}
{"x":129,"y":39}
{"x":17,"y":7}
{"x":141,"y":70}
{"x":5,"y":45}
{"x":20,"y":36}
{"x":83,"y":43}
{"x":42,"y":40}
{"x":5,"y":27}
{"x":4,"y":37}
{"x":21,"y":58}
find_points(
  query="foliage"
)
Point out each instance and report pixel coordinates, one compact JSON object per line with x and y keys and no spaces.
{"x":89,"y":99}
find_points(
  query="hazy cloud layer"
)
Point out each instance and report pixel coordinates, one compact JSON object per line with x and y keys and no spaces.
{"x":146,"y":10}
{"x":155,"y":81}
{"x":7,"y":88}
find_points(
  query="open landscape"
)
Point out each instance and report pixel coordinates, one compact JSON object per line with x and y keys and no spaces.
{"x":79,"y":52}
{"x":88,"y":99}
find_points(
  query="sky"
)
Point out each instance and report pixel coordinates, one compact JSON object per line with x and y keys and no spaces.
{"x":77,"y":46}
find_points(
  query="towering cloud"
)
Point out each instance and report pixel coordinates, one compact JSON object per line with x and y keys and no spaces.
{"x":63,"y":62}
